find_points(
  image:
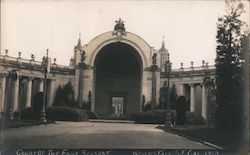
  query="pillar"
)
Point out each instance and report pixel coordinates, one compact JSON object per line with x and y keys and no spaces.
{"x":204,"y":102}
{"x":180,"y":89}
{"x":29,"y":93}
{"x":52,"y":92}
{"x":87,"y":80}
{"x":192,"y":98}
{"x":2,"y":87}
{"x":16,"y":95}
{"x":154,"y":86}
{"x":146,"y":86}
{"x":41,"y":85}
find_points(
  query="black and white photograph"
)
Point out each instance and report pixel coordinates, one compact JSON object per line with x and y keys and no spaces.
{"x":107,"y":77}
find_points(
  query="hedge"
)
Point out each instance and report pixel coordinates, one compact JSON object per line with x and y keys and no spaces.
{"x":151,"y":117}
{"x":195,"y":119}
{"x":57,"y":114}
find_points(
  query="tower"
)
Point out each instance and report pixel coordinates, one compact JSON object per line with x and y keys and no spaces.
{"x":77,"y":51}
{"x":164,"y":55}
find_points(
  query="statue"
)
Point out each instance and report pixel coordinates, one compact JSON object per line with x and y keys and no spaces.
{"x":119,"y":28}
{"x":154,"y":59}
{"x":82,"y":56}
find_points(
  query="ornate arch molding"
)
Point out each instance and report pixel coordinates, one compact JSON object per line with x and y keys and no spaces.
{"x":107,"y":38}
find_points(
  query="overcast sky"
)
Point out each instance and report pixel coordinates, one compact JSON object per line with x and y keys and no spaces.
{"x":189,"y":27}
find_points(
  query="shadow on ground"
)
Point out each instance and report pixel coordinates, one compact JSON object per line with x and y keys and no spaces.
{"x":15,"y":123}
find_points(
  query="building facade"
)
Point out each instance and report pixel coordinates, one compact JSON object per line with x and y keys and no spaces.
{"x":116,"y":67}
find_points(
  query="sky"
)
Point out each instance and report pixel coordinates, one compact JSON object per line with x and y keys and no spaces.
{"x":189,"y":27}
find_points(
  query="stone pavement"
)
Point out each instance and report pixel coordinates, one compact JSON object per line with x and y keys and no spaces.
{"x":95,"y":135}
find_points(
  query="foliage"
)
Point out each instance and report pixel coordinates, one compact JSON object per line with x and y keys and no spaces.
{"x":143,"y":102}
{"x":151,"y":117}
{"x":193,"y":118}
{"x":37,"y":105}
{"x":181,"y":110}
{"x":173,"y":97}
{"x":3,"y":115}
{"x":229,"y":66}
{"x":65,"y":96}
{"x":56,"y":114}
{"x":92,"y":115}
{"x":163,"y":96}
{"x":28,"y":114}
{"x":65,"y":114}
{"x":16,"y":115}
{"x":147,"y":106}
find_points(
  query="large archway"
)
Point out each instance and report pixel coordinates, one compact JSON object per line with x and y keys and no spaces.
{"x":118,"y":73}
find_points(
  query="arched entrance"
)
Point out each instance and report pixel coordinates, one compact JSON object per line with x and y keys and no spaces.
{"x":118,"y":75}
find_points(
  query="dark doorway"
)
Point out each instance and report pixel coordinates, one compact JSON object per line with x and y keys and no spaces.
{"x":117,"y":71}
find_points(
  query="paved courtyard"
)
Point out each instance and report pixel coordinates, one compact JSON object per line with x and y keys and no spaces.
{"x":95,"y":135}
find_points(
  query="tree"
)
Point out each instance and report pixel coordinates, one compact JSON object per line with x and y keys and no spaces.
{"x":58,"y":97}
{"x":163,"y":96}
{"x":173,"y":97}
{"x":181,"y":110}
{"x":229,"y":66}
{"x":64,"y":96}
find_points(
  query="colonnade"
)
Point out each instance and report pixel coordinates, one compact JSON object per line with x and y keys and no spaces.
{"x":10,"y":91}
{"x":204,"y":106}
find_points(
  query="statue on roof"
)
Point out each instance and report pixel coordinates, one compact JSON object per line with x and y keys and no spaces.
{"x":119,"y":28}
{"x":154,"y":59}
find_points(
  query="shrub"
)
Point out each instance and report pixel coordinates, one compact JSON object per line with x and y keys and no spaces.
{"x":65,"y":114}
{"x":181,"y":110}
{"x":29,"y":113}
{"x":193,"y":118}
{"x":151,"y":117}
{"x":16,"y":115}
{"x":3,"y":115}
{"x":37,"y":105}
{"x":92,"y":115}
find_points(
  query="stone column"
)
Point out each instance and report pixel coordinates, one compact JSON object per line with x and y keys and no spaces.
{"x":2,"y":87}
{"x":52,"y":92}
{"x":29,"y":93}
{"x":180,"y":89}
{"x":16,"y":95}
{"x":76,"y":87}
{"x":154,"y":85}
{"x":192,"y":98}
{"x":41,"y":85}
{"x":204,"y":102}
{"x":146,"y":86}
{"x":87,"y":81}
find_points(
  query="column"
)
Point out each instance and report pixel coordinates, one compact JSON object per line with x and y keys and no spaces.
{"x":192,"y":98}
{"x":41,"y":85}
{"x":29,"y":93}
{"x":2,"y":87}
{"x":16,"y":95}
{"x":52,"y":92}
{"x":204,"y":102}
{"x":154,"y":83}
{"x":180,"y":89}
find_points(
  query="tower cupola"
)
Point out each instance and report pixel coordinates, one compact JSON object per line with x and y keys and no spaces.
{"x":164,"y":55}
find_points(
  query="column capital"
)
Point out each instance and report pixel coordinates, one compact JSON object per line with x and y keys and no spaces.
{"x":4,"y":74}
{"x":29,"y":78}
{"x":41,"y":80}
{"x":193,"y":84}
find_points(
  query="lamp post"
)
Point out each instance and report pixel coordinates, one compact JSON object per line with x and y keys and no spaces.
{"x":46,"y":67}
{"x":168,"y":67}
{"x":13,"y":76}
